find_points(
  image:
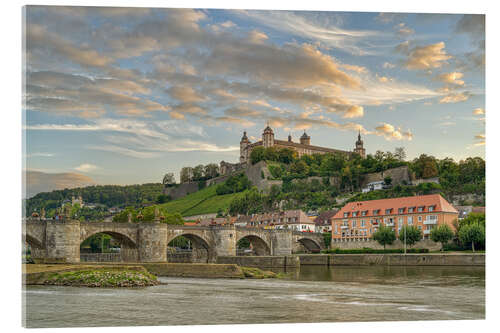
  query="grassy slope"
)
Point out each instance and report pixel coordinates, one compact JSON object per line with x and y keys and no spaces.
{"x":201,"y":202}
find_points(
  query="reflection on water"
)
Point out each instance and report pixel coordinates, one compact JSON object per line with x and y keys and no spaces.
{"x":311,"y":294}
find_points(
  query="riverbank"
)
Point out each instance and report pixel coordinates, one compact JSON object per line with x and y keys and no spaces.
{"x":135,"y":275}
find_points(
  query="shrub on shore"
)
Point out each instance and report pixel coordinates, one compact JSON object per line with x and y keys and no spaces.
{"x":103,"y":278}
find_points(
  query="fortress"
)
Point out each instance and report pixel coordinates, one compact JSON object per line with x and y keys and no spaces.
{"x":302,"y":148}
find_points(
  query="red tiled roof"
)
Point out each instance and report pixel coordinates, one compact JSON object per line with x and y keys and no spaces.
{"x":441,"y":205}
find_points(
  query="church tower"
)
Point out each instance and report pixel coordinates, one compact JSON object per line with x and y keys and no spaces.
{"x":243,"y":147}
{"x":359,"y":147}
{"x":305,"y":139}
{"x":268,"y":137}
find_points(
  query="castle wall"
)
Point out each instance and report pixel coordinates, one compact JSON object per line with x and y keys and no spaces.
{"x":398,"y":175}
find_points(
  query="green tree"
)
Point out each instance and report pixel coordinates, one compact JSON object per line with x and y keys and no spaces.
{"x":162,"y":198}
{"x":257,"y":154}
{"x":472,"y":234}
{"x":441,"y":234}
{"x":168,"y":179}
{"x":211,"y":170}
{"x":400,"y":153}
{"x":198,"y":172}
{"x":384,"y":236}
{"x":186,"y":174}
{"x":413,"y":235}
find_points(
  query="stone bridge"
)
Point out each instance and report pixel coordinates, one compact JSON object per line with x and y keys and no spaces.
{"x":60,"y":240}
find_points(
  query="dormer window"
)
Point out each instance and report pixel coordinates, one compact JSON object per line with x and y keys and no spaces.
{"x":346,"y":214}
{"x":354,"y":214}
{"x":421,"y":208}
{"x":376,"y":211}
{"x":431,"y":208}
{"x":401,"y":210}
{"x":388,"y":211}
{"x":411,"y":209}
{"x":363,"y":213}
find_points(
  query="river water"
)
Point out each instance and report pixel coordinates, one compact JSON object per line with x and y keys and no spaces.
{"x":312,"y":294}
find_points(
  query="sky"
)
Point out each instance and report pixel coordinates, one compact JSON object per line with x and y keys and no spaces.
{"x":124,"y":95}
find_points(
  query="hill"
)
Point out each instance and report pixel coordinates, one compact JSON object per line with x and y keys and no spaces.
{"x":205,"y":201}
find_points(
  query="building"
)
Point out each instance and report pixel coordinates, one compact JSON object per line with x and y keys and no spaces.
{"x":303,"y":147}
{"x":379,"y":185}
{"x":290,"y":219}
{"x":359,"y":220}
{"x":323,"y":221}
{"x":463,"y":211}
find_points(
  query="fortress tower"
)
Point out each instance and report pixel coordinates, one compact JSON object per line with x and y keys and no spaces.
{"x":268,"y":137}
{"x":243,"y":147}
{"x":359,"y":147}
{"x":305,"y":139}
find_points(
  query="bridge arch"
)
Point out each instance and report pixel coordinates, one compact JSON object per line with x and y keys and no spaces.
{"x":201,"y":251}
{"x":310,"y":245}
{"x":259,"y":246}
{"x":128,"y":247}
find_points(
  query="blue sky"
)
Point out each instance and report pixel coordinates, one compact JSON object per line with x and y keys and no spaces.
{"x":123,"y":95}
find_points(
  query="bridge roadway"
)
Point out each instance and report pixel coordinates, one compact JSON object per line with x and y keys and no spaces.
{"x":54,"y":241}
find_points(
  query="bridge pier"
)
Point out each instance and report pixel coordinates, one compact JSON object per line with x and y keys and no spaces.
{"x":152,"y":242}
{"x":225,"y":241}
{"x":62,"y":241}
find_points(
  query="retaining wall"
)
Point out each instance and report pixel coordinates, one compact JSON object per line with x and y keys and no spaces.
{"x":430,"y":259}
{"x":260,"y":261}
{"x":358,"y":244}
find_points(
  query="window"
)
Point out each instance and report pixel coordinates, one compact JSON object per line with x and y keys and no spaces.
{"x":401,"y":210}
{"x":346,"y":214}
{"x":354,"y":214}
{"x":362,"y":223}
{"x":400,"y":220}
{"x":431,"y":208}
{"x":421,"y":208}
{"x":353,"y":223}
{"x":409,"y":219}
{"x":419,"y":227}
{"x":411,"y":209}
{"x":363,"y":213}
{"x":420,"y":219}
{"x":375,"y":211}
{"x":388,"y":211}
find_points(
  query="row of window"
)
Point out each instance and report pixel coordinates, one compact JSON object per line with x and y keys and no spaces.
{"x":388,"y":211}
{"x":387,"y":221}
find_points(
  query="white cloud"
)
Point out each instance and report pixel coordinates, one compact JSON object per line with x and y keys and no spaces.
{"x":86,"y":167}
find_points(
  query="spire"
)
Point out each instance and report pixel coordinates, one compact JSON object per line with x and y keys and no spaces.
{"x":289,"y":137}
{"x":359,"y":135}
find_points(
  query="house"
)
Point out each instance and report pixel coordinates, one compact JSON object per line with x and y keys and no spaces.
{"x":358,"y":220}
{"x":323,"y":221}
{"x":379,"y":185}
{"x":289,"y":219}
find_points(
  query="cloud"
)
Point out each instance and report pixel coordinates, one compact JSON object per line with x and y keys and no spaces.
{"x":78,"y":95}
{"x":40,"y":155}
{"x":455,"y":97}
{"x":403,"y":30}
{"x":391,"y":133}
{"x":480,"y":140}
{"x":388,"y":65}
{"x":38,"y":39}
{"x":185,"y":94}
{"x":37,"y":181}
{"x":320,"y":27}
{"x":86,"y":167}
{"x":140,"y":139}
{"x":452,"y":78}
{"x":426,"y":57}
{"x":478,"y":111}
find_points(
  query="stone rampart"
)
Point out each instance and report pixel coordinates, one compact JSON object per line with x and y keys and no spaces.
{"x":398,"y":175}
{"x":430,"y":259}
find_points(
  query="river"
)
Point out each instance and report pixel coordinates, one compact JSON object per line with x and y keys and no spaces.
{"x":312,"y":294}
